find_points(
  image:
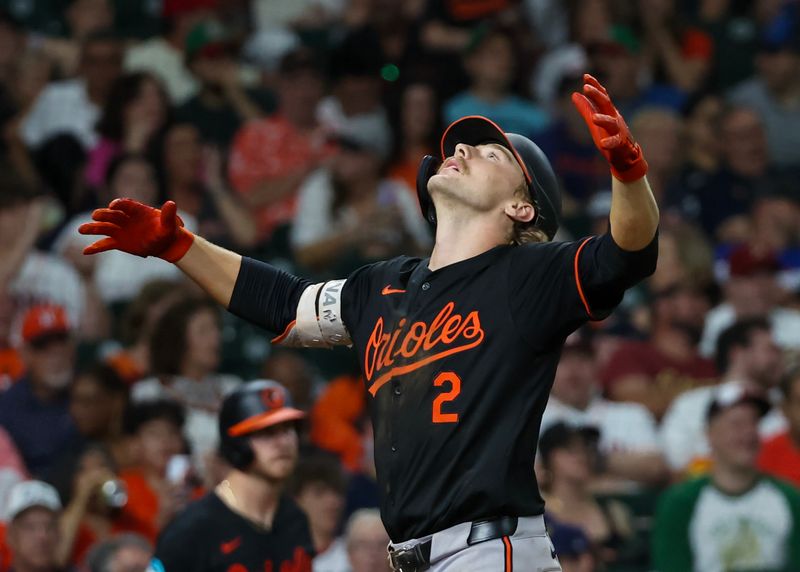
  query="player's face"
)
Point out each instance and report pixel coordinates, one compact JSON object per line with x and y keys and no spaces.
{"x":733,"y":436}
{"x":484,"y":177}
{"x":275,"y":451}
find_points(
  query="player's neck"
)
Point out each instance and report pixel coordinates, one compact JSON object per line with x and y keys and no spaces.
{"x":460,"y":239}
{"x":254,"y":498}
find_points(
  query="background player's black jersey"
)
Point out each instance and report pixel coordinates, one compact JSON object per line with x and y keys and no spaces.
{"x":459,"y":363}
{"x":209,"y":537}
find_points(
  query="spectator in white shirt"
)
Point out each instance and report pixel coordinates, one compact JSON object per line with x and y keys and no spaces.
{"x":628,"y":438}
{"x":72,"y":107}
{"x":747,"y":356}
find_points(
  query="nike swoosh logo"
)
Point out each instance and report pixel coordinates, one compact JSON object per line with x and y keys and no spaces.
{"x":228,"y":547}
{"x":389,"y":290}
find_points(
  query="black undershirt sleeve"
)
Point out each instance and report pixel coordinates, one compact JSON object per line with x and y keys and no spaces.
{"x":265,"y":295}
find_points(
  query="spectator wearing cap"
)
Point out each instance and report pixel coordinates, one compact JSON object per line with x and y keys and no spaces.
{"x":572,"y":546}
{"x":746,"y":356}
{"x":491,"y":63}
{"x":775,"y":89}
{"x":653,"y":372}
{"x":34,"y":410}
{"x":318,"y":487}
{"x":735,"y":518}
{"x":366,"y":540}
{"x":32,"y":531}
{"x":349,"y":213}
{"x":29,"y":275}
{"x":222,"y":103}
{"x":752,"y":291}
{"x":164,"y":56}
{"x":628,"y":437}
{"x":569,"y":464}
{"x":270,"y":157}
{"x":780,"y":454}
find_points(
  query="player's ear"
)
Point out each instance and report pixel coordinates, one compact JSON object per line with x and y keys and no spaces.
{"x":520,"y":211}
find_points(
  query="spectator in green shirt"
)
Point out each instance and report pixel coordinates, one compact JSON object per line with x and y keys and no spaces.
{"x":734,"y":519}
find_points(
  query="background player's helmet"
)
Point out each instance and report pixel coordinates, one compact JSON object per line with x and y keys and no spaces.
{"x":252,"y":407}
{"x":477,"y":130}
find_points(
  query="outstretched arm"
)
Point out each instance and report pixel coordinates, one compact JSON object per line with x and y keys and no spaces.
{"x":634,"y":212}
{"x":306,"y":314}
{"x":142,"y":230}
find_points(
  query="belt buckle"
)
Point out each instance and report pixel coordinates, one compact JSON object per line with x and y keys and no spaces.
{"x":407,"y":559}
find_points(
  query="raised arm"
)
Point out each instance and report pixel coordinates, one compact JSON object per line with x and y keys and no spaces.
{"x":305,"y":314}
{"x":142,"y":230}
{"x":634,"y":212}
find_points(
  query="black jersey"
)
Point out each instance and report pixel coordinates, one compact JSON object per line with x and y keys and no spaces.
{"x":209,"y":537}
{"x":459,"y":363}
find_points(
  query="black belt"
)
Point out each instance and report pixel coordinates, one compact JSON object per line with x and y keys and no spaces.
{"x":418,"y":558}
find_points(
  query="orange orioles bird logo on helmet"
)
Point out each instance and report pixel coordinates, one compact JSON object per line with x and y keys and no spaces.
{"x":273,"y":398}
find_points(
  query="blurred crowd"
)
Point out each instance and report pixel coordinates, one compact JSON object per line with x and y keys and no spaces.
{"x":291,"y":131}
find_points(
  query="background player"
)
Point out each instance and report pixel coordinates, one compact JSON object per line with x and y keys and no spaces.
{"x":459,"y":350}
{"x":247,"y":523}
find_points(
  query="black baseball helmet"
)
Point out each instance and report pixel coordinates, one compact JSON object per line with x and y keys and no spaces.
{"x":252,"y":407}
{"x":478,"y":130}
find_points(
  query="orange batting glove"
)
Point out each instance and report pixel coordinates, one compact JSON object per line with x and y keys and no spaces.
{"x":136,"y":228}
{"x":609,"y":131}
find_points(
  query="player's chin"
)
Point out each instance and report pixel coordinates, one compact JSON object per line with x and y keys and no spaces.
{"x":281,"y":468}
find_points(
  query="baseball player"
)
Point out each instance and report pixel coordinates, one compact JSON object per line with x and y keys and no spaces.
{"x":247,"y":523}
{"x":458,"y":350}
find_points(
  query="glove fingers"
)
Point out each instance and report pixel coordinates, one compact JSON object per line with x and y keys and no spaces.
{"x":169,"y":212}
{"x":128,"y":206}
{"x":101,"y":246}
{"x":600,"y":99}
{"x":585,"y":107}
{"x":611,"y":142}
{"x":110,"y":215}
{"x":591,"y":80}
{"x":98,"y":228}
{"x":606,"y":122}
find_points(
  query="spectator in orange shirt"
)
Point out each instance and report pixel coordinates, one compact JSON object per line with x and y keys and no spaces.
{"x":270,"y":157}
{"x":157,"y":430}
{"x":780,"y":455}
{"x":98,"y":507}
{"x":335,"y":420}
